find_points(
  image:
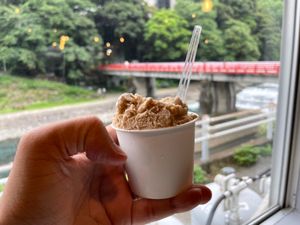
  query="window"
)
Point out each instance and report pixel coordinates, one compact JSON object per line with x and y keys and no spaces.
{"x":163,"y":3}
{"x":244,"y":86}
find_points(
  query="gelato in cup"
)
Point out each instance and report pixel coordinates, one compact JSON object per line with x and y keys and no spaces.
{"x":158,"y":138}
{"x":160,"y":160}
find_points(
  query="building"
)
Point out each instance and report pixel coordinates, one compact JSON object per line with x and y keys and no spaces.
{"x":162,"y":3}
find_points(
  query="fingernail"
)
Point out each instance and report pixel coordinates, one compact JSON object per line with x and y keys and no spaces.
{"x":205,"y":194}
{"x":200,"y":195}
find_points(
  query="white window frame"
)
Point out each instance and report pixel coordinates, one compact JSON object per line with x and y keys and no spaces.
{"x":286,"y":117}
{"x":285,"y":191}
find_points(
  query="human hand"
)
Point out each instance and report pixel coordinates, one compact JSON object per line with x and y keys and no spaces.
{"x":72,"y":173}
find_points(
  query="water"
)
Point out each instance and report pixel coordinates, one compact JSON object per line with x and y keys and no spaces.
{"x":7,"y":154}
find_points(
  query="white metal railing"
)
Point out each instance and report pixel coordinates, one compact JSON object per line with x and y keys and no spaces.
{"x":208,"y":132}
{"x":240,"y":121}
{"x":231,"y":116}
{"x":3,"y":180}
{"x":3,"y":169}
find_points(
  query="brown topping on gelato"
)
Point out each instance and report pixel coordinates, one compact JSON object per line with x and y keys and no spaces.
{"x":135,"y":112}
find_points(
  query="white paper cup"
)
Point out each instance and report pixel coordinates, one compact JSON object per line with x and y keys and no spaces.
{"x":160,"y":161}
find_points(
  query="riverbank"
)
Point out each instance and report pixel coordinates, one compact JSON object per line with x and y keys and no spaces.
{"x":15,"y":125}
{"x":20,"y":93}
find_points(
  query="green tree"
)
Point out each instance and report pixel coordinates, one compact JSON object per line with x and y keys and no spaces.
{"x":166,"y":36}
{"x":263,"y":17}
{"x":15,"y":40}
{"x":269,"y":23}
{"x":12,"y":2}
{"x":243,"y":11}
{"x":33,"y":30}
{"x":122,"y":19}
{"x":238,"y":22}
{"x":211,"y":41}
{"x":240,"y":44}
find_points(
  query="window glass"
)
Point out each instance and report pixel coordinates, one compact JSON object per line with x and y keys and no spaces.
{"x":68,"y":58}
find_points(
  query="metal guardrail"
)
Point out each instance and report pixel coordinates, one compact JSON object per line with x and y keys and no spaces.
{"x":3,"y":180}
{"x":231,"y":127}
{"x":6,"y":167}
{"x":239,"y":121}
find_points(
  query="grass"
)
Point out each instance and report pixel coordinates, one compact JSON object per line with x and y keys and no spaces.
{"x":1,"y":187}
{"x":17,"y":94}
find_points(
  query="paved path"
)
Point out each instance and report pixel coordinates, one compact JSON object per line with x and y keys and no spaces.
{"x":14,"y":125}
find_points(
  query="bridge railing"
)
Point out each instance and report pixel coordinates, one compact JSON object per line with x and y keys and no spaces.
{"x":270,"y":68}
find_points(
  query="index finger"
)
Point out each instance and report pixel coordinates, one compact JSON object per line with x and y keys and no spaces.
{"x":67,"y":138}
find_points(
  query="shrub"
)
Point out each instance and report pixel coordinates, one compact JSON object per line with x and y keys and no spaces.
{"x":199,"y":175}
{"x":166,"y":83}
{"x":246,"y":155}
{"x":265,"y":150}
{"x":262,"y":130}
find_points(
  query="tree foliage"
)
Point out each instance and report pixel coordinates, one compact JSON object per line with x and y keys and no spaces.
{"x":32,"y":29}
{"x":166,"y":36}
{"x":268,"y":31}
{"x":263,"y":19}
{"x":211,"y":41}
{"x":243,"y":11}
{"x":240,"y":44}
{"x":233,"y":30}
{"x":122,"y":18}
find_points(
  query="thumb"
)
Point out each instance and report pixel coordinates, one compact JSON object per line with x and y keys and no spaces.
{"x":102,"y":149}
{"x":98,"y":145}
{"x":158,"y":209}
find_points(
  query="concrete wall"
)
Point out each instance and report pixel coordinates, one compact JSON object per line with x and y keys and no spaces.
{"x":217,"y":97}
{"x":145,"y":86}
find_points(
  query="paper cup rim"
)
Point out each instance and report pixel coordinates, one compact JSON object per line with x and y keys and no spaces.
{"x":158,"y":129}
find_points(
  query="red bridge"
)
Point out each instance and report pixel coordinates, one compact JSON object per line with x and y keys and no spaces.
{"x":262,"y":71}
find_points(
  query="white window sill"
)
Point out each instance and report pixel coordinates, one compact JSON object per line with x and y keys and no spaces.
{"x":285,"y":216}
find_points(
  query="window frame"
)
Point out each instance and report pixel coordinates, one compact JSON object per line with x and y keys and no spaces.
{"x":285,"y":193}
{"x":284,"y":142}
